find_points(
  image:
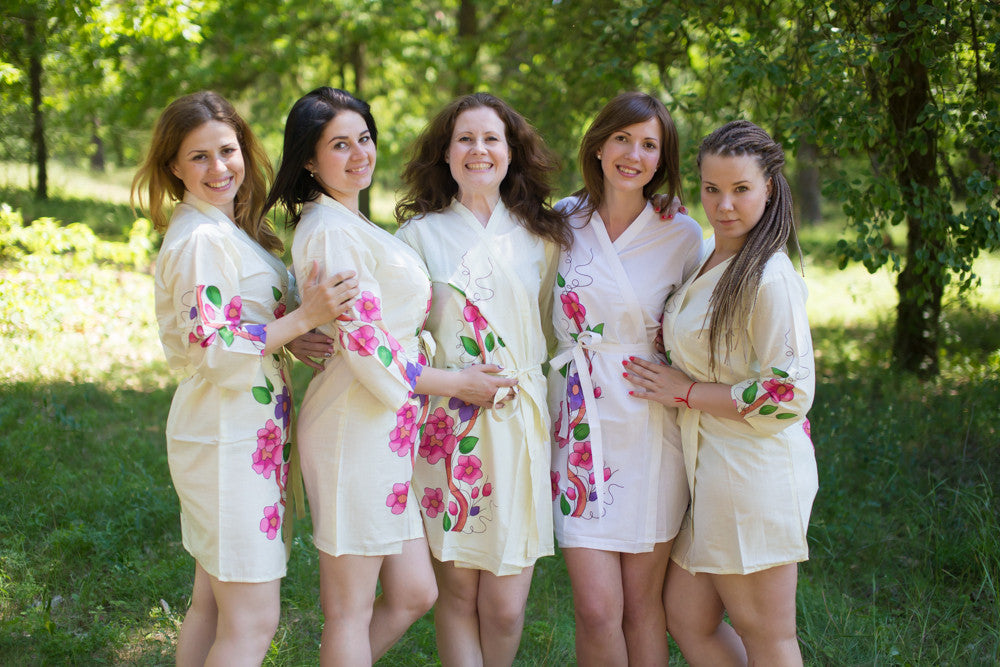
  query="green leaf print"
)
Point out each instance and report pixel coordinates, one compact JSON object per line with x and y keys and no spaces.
{"x":669,"y":362}
{"x":780,"y":373}
{"x":447,"y":522}
{"x":500,"y":342}
{"x":226,"y":335}
{"x":750,"y":393}
{"x":214,"y":295}
{"x":384,"y":355}
{"x":270,"y":386}
{"x":276,"y":292}
{"x":599,"y":329}
{"x":262,"y":395}
{"x":564,"y":370}
{"x":459,"y":290}
{"x":470,"y":346}
{"x":564,"y":504}
{"x":581,"y":432}
{"x":785,"y":415}
{"x":467,"y":444}
{"x":560,"y":280}
{"x":489,"y":342}
{"x":768,"y":409}
{"x":286,"y":452}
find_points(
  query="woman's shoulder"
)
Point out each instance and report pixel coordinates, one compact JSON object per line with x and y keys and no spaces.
{"x":190,"y":227}
{"x":780,"y":272}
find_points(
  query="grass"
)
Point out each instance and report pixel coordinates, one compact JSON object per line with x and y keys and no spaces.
{"x":905,"y":532}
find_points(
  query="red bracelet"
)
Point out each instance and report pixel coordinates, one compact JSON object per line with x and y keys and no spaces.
{"x":678,"y":399}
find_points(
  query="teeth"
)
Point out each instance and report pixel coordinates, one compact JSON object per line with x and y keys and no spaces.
{"x":478,"y":166}
{"x":628,"y":170}
{"x":220,"y":184}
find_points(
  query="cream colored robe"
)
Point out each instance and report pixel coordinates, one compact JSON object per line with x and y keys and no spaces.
{"x":618,"y":479}
{"x":360,"y":418}
{"x":752,"y":484}
{"x":227,"y":432}
{"x":482,"y":476}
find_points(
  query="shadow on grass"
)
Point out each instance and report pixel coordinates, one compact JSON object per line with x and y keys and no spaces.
{"x":109,"y":221}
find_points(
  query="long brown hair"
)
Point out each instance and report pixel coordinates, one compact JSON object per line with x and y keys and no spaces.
{"x":734,"y":295}
{"x":525,"y":189}
{"x":624,"y":110}
{"x":159,"y":184}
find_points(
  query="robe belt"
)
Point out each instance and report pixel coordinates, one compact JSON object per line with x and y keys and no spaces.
{"x":522,"y":376}
{"x":593,"y":341}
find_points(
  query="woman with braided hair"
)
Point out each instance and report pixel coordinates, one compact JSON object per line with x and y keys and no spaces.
{"x":741,"y":367}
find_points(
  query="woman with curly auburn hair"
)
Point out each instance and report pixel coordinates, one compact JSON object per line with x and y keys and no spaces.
{"x":222,"y":302}
{"x":743,"y":375}
{"x":475,"y":210}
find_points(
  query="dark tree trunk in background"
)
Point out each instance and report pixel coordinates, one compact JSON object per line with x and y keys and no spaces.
{"x":466,"y":77}
{"x":97,"y":162}
{"x":36,"y":49}
{"x":921,"y":282}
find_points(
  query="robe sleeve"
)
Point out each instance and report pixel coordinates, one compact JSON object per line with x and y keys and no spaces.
{"x":781,"y":341}
{"x":203,"y":277}
{"x":361,"y":339}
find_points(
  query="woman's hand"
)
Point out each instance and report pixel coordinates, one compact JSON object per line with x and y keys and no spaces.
{"x":479,"y":384}
{"x":311,"y":346}
{"x":656,"y":382}
{"x":665,"y":207}
{"x":326,"y":300}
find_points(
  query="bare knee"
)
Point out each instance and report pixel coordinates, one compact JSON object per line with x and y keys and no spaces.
{"x":595,"y":614}
{"x":415,"y":600}
{"x":504,"y":617}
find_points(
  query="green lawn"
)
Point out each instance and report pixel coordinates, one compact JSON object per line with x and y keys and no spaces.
{"x":905,"y":533}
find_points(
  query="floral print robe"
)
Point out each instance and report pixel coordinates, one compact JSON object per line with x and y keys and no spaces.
{"x":227,"y":431}
{"x":617,"y":470}
{"x":359,"y":420}
{"x":752,"y":483}
{"x":482,"y":475}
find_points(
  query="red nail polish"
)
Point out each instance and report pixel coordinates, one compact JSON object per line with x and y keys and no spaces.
{"x":624,"y":375}
{"x":624,"y":362}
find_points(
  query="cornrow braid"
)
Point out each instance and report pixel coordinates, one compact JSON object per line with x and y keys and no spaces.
{"x":735,"y":294}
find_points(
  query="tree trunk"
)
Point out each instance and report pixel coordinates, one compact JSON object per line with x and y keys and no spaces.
{"x":97,"y":162}
{"x":921,"y":282}
{"x":36,"y":48}
{"x":807,"y":183}
{"x":467,"y":43}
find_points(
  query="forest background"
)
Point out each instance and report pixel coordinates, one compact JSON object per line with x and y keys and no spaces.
{"x":888,"y":112}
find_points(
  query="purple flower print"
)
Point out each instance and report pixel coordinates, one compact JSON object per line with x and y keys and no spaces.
{"x":283,"y":407}
{"x":465,"y":410}
{"x":574,"y":391}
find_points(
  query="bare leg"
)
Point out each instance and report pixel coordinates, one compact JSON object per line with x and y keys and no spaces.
{"x":347,"y":593}
{"x":408,"y":591}
{"x":456,"y":616}
{"x":598,"y":606}
{"x":248,"y":617}
{"x":761,"y":607}
{"x":502,"y":601}
{"x":198,"y":629}
{"x":644,"y":622}
{"x":694,"y":619}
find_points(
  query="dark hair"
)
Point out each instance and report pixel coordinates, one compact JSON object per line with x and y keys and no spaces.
{"x":734,"y":295}
{"x":293,"y":185}
{"x":155,"y":176}
{"x":525,"y":189}
{"x":624,"y":110}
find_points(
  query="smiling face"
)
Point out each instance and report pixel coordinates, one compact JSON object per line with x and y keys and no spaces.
{"x":345,"y":158}
{"x":478,"y":154}
{"x":734,"y":192}
{"x":630,"y":156}
{"x":210,"y":164}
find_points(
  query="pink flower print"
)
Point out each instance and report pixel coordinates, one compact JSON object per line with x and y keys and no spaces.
{"x":468,"y":468}
{"x":270,"y":449}
{"x":369,"y":307}
{"x":233,"y":309}
{"x":279,"y":311}
{"x":396,"y":500}
{"x":363,"y":341}
{"x":402,"y":437}
{"x":807,"y":427}
{"x":452,"y":508}
{"x":778,"y":390}
{"x":607,"y":474}
{"x":471,"y":314}
{"x":487,"y":489}
{"x":198,"y":336}
{"x":554,"y":476}
{"x":573,"y":309}
{"x":571,"y":492}
{"x":439,"y":440}
{"x":580,"y":457}
{"x":271,"y":523}
{"x":433,"y":502}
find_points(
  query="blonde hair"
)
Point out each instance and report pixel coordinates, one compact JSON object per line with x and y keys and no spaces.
{"x":157,"y":182}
